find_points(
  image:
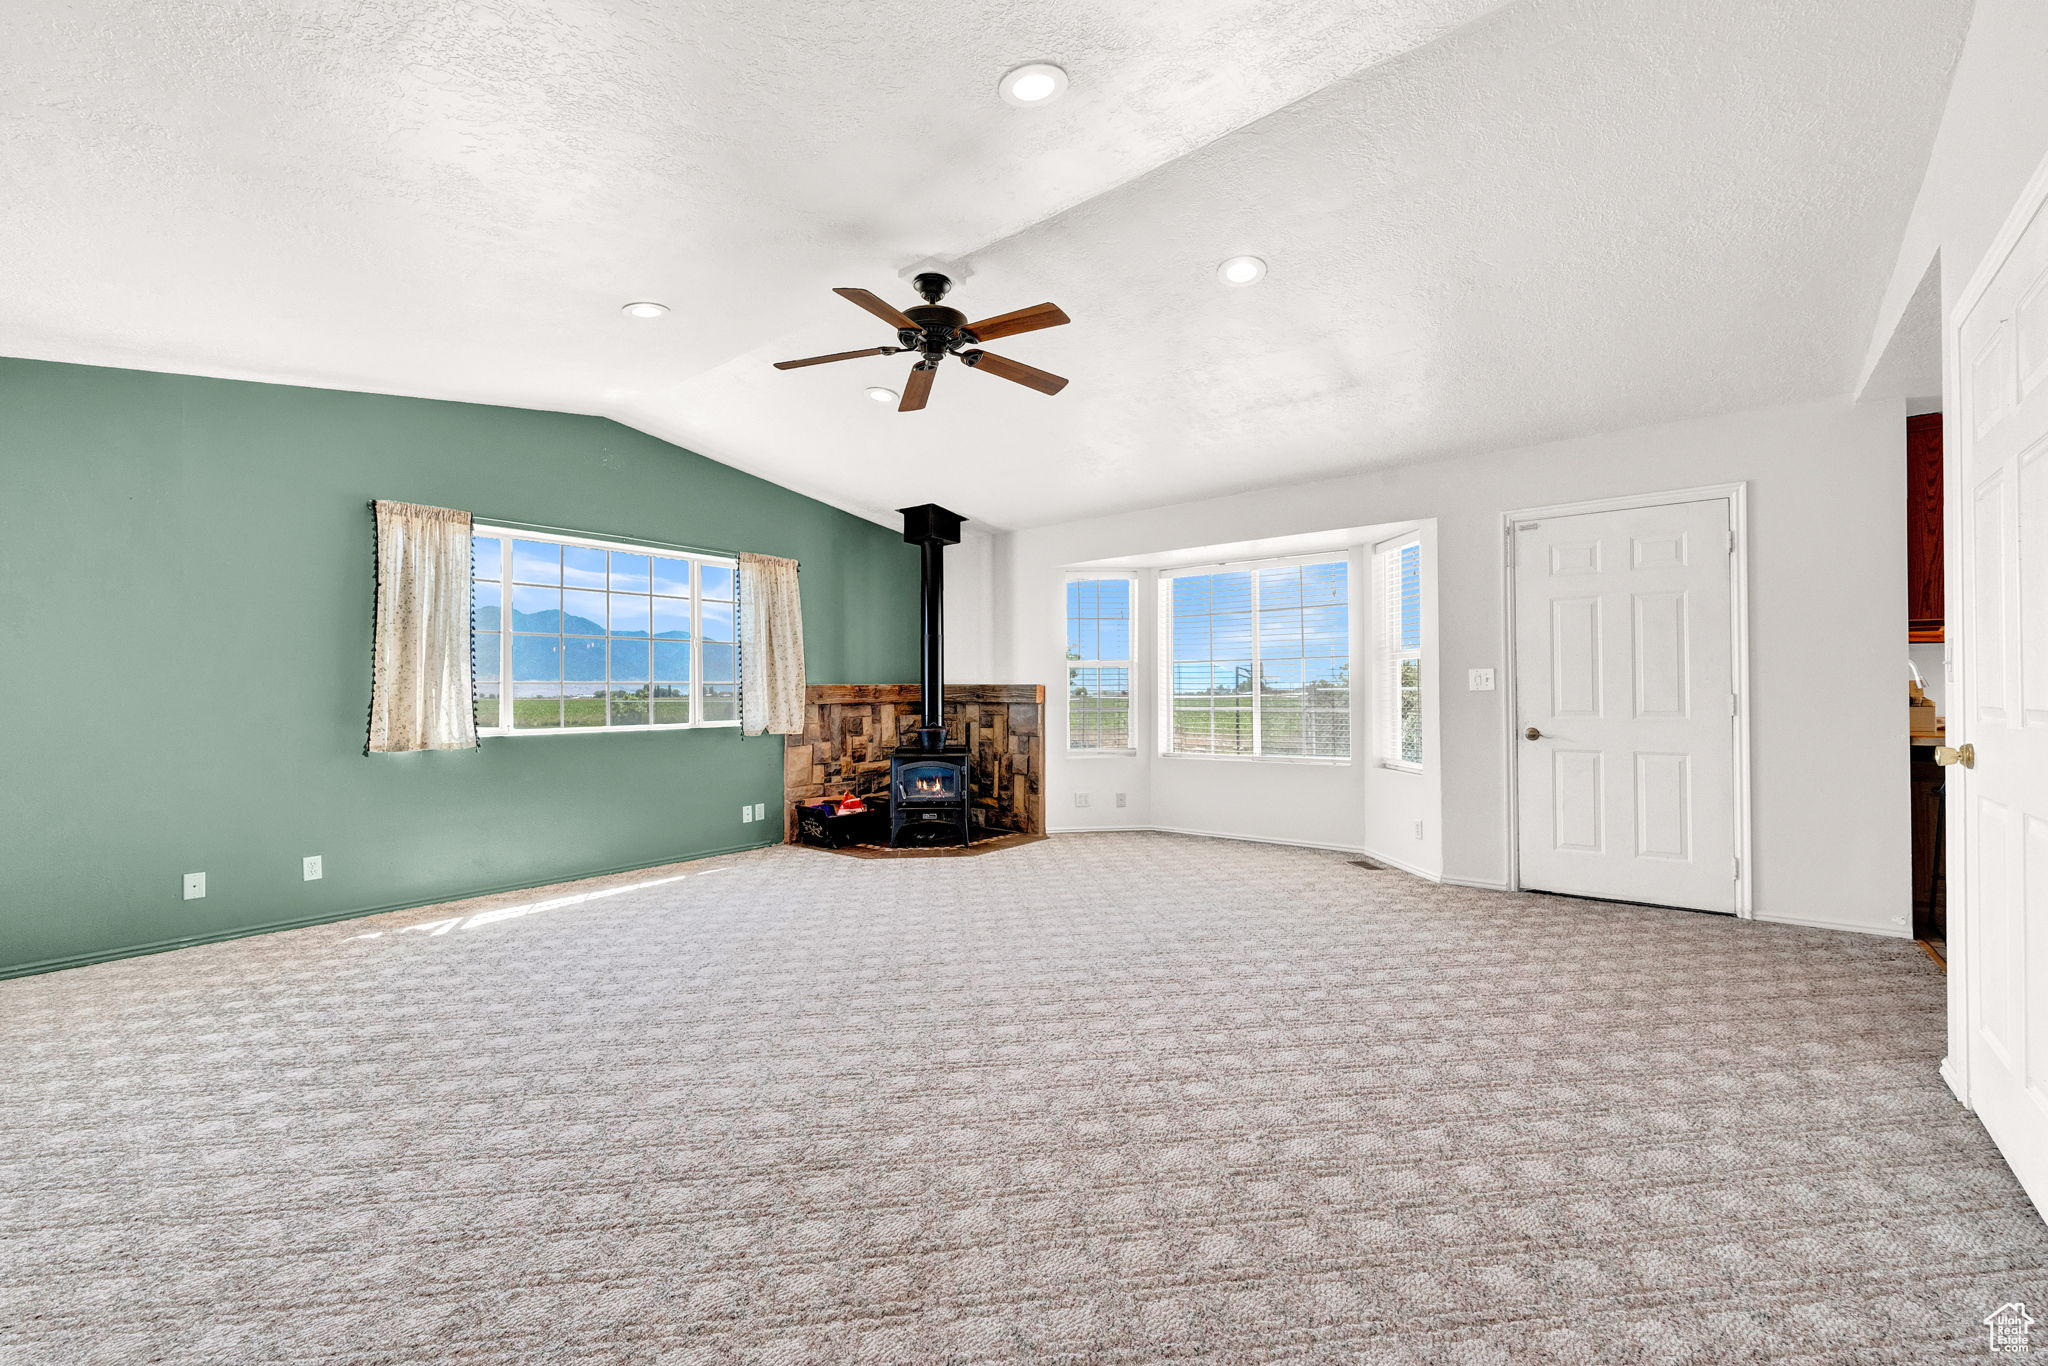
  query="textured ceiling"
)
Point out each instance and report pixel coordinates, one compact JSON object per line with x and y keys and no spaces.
{"x":1487,"y":225}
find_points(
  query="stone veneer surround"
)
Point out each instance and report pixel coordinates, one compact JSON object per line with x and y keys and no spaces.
{"x":850,"y":729}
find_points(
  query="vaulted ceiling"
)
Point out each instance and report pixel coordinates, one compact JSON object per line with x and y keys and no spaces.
{"x":1487,"y":223}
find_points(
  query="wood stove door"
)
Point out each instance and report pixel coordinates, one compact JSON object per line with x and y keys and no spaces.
{"x":932,"y":782}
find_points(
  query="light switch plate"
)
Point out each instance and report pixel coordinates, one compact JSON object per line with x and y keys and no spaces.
{"x":1481,"y":680}
{"x":760,"y":811}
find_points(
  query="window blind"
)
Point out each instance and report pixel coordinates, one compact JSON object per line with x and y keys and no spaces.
{"x":1400,"y":649}
{"x":1099,"y":664}
{"x":1260,"y":661}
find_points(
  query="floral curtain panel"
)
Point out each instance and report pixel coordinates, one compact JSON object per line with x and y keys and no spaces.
{"x":421,"y":694}
{"x":771,"y":647}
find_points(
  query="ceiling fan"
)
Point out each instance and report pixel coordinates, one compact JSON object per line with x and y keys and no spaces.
{"x":936,"y":332}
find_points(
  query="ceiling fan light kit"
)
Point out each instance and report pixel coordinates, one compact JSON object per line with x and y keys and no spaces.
{"x":935,"y":331}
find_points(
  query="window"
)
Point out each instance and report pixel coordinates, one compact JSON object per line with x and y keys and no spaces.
{"x":572,"y":634}
{"x":1099,"y":664}
{"x":1260,"y":661}
{"x":1399,"y":567}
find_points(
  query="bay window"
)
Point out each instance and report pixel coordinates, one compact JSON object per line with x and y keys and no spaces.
{"x":1258,"y":660}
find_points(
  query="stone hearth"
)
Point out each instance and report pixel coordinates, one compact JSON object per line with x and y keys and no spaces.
{"x":851,"y":728}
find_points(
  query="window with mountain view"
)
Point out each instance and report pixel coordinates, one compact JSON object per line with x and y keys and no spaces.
{"x":571,"y":634}
{"x":1260,"y":661}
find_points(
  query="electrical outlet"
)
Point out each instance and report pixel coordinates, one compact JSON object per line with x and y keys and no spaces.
{"x":1119,"y":799}
{"x":195,"y":886}
{"x":760,"y":811}
{"x":747,"y":812}
{"x":1418,"y":829}
{"x":1480,"y":680}
{"x":313,"y":869}
{"x":1080,"y":799}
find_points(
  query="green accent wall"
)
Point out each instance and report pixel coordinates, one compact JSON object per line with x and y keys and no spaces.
{"x":185,"y":609}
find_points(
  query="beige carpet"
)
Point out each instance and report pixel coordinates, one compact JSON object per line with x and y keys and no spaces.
{"x":1106,"y":1099}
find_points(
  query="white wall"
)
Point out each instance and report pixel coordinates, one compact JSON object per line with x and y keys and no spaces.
{"x":1828,"y":630}
{"x":1994,"y":131}
{"x":971,"y":608}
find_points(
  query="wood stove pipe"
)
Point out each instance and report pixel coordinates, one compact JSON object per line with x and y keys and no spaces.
{"x":931,"y":529}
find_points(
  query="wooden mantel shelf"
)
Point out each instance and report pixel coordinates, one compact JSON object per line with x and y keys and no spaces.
{"x":856,"y":694}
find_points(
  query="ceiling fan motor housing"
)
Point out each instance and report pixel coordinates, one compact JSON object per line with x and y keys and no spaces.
{"x":938,"y":329}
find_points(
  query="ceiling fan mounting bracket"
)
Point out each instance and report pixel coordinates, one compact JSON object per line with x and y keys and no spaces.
{"x":931,"y":285}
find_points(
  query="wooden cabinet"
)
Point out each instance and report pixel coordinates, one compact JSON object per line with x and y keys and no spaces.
{"x":1923,"y":527}
{"x":1930,"y":910}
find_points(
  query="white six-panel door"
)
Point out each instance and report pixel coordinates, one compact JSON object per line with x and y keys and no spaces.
{"x":1624,"y":672}
{"x":2000,"y":863}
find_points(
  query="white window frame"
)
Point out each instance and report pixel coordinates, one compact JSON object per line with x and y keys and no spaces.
{"x":1387,"y":656}
{"x":1129,"y":666}
{"x":1164,"y":690}
{"x":698,"y":560}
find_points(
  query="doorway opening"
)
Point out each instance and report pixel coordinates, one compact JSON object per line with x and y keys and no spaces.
{"x":1927,"y":669}
{"x":1908,"y":367}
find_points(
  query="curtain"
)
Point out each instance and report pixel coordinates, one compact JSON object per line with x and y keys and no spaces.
{"x":421,"y":694}
{"x":771,"y":647}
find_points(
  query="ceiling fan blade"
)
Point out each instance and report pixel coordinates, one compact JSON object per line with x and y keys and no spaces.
{"x":1016,"y":372}
{"x":919,"y":389}
{"x":876,"y":306}
{"x":1023,"y":320}
{"x":836,"y":355}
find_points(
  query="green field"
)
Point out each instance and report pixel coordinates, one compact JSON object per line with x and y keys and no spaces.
{"x":621,"y":709}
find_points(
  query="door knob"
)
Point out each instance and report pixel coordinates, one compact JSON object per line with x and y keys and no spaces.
{"x":1966,"y":755}
{"x":1532,"y":734}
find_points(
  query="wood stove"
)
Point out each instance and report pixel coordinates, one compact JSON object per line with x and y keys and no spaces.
{"x":928,"y":779}
{"x":928,"y":792}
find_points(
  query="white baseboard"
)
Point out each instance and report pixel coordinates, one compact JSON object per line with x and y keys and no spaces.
{"x":1098,"y":829}
{"x":1401,"y":864}
{"x":1377,"y":857}
{"x":1258,"y":839}
{"x":1483,"y":884}
{"x":1834,"y":925}
{"x":1201,"y":834}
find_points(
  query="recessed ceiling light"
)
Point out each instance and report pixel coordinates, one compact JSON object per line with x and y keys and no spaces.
{"x":644,"y":310}
{"x":881,"y":395}
{"x":1038,"y":83}
{"x":1241,"y":270}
